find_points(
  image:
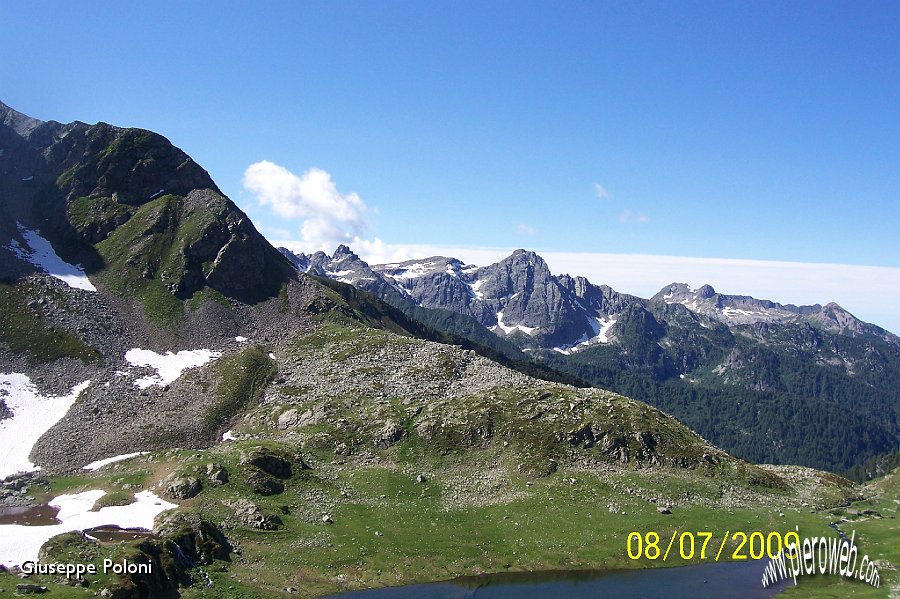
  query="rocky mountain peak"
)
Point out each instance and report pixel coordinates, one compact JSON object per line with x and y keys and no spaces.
{"x":525,"y":256}
{"x":22,"y":124}
{"x":706,"y":291}
{"x":343,"y":252}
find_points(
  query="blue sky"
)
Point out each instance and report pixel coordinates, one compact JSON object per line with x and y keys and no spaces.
{"x":739,"y":130}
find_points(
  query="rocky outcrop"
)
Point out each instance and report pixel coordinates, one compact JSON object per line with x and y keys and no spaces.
{"x":249,"y":514}
{"x":183,"y":488}
{"x":265,"y":460}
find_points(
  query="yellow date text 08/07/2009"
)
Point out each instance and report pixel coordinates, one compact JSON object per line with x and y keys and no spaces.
{"x":690,"y":545}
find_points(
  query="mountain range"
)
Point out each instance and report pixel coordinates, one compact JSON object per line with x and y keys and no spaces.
{"x":767,"y":381}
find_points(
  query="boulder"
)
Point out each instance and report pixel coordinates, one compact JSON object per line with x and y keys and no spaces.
{"x":216,"y":474}
{"x":183,"y":488}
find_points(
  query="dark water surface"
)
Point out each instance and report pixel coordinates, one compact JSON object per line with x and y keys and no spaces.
{"x":738,"y":580}
{"x":112,"y":534}
{"x":37,"y":515}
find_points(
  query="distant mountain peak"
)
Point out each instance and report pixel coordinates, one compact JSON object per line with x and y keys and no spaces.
{"x":343,"y":252}
{"x":706,"y":291}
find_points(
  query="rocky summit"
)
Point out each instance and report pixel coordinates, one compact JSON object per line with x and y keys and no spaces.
{"x":268,"y":424}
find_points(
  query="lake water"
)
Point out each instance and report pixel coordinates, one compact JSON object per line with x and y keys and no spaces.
{"x":738,"y":580}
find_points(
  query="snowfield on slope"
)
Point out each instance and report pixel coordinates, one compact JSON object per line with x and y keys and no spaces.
{"x":509,"y":329}
{"x":33,"y":415}
{"x":168,"y":366}
{"x":600,"y":327}
{"x":19,"y":544}
{"x":105,"y":461}
{"x":40,"y":253}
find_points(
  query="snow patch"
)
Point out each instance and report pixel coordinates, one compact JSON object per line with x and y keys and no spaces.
{"x":41,"y":254}
{"x":101,"y":463}
{"x":229,"y":436}
{"x":730,"y":312}
{"x":599,"y":328}
{"x":168,"y":366}
{"x":413,"y":271}
{"x":508,"y":329}
{"x":474,"y":288}
{"x":19,"y":544}
{"x":241,"y":339}
{"x":32,"y":416}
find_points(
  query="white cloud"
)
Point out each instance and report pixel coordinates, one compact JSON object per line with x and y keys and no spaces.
{"x":329,"y":217}
{"x":525,"y":229}
{"x":602,"y":192}
{"x":627,"y":216}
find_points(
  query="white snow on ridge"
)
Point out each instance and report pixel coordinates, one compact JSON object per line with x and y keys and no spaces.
{"x":241,"y":339}
{"x":729,"y":312}
{"x":19,"y":544}
{"x":474,"y":288}
{"x":32,"y":416}
{"x":40,"y":253}
{"x":599,"y":326}
{"x":508,"y":330}
{"x":101,"y":463}
{"x":414,"y":271}
{"x":340,"y":275}
{"x":168,"y":366}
